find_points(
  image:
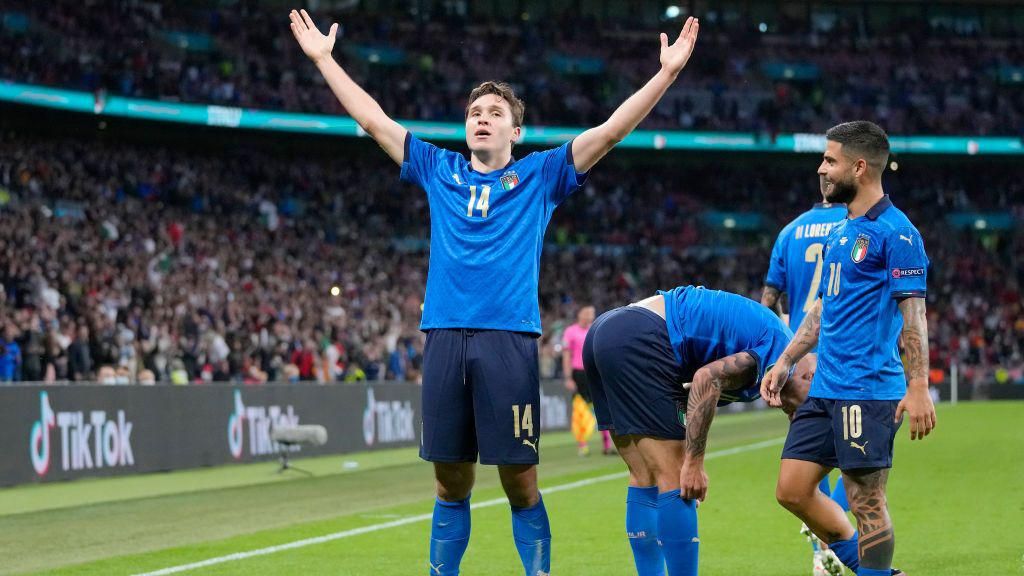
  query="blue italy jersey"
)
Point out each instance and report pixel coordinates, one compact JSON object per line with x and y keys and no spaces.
{"x":708,"y":325}
{"x":795,"y":266}
{"x":486,"y":234}
{"x":870,"y":264}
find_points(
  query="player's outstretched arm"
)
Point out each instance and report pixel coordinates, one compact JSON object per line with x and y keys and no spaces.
{"x":390,"y":135}
{"x":733,"y":372}
{"x":917,"y":402}
{"x":805,"y":339}
{"x":593,"y":144}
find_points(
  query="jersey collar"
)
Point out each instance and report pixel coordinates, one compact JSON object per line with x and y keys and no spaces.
{"x":881,"y":206}
{"x":469,"y":166}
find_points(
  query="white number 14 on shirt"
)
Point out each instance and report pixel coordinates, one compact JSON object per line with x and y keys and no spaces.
{"x":483,"y":204}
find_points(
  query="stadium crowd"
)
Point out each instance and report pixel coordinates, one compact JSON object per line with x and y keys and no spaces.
{"x":139,"y":263}
{"x":913,"y":75}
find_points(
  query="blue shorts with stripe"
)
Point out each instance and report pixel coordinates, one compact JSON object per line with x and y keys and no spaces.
{"x":481,"y":395}
{"x":844,"y":434}
{"x":635,"y":379}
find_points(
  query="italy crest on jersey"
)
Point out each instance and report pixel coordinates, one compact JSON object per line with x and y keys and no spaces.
{"x":509,"y":180}
{"x":860,"y":248}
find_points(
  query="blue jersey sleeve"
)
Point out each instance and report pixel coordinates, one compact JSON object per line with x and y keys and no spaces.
{"x":776,"y":277}
{"x":906,"y":263}
{"x":420,"y":161}
{"x":560,"y":172}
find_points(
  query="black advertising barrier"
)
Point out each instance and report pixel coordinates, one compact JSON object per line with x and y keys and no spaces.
{"x":64,"y":432}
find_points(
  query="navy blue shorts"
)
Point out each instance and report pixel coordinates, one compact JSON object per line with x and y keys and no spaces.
{"x":481,"y":394}
{"x":634,"y":378}
{"x":844,"y":434}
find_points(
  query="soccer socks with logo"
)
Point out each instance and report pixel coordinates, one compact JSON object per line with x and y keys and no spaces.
{"x":532,"y":534}
{"x":449,"y":536}
{"x":642,"y":530}
{"x":677,"y":531}
{"x":846,"y":551}
{"x":839,"y":495}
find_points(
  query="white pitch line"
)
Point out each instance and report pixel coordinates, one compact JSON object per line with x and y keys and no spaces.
{"x":423,"y":517}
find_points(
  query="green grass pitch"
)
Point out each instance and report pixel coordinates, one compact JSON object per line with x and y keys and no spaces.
{"x":957,"y":500}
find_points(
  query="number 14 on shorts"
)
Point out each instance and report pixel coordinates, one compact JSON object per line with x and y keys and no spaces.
{"x":522,"y":420}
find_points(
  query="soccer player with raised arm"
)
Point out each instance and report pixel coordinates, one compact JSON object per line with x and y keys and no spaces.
{"x":657,"y":370}
{"x":488,"y":214}
{"x":872,"y":294}
{"x":795,"y":271}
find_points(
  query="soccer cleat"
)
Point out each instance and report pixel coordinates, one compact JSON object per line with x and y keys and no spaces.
{"x":815,"y":543}
{"x":819,"y":566}
{"x":898,"y":572}
{"x":830,"y":563}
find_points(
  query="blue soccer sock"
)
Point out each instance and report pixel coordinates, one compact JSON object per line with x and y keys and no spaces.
{"x":642,"y":530}
{"x":449,"y":536}
{"x":532,"y":534}
{"x":874,"y":572}
{"x":823,"y":486}
{"x":839,"y":495}
{"x":846,"y":551}
{"x":677,"y":530}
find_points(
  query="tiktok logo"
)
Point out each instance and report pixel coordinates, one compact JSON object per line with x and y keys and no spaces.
{"x":258,"y":420}
{"x":387,"y":421}
{"x":39,"y":442}
{"x":236,"y":429}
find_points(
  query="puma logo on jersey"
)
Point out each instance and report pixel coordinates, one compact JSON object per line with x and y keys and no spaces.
{"x":456,"y":178}
{"x":530,"y":444}
{"x":843,"y":241}
{"x":907,"y":238}
{"x":861,"y":447}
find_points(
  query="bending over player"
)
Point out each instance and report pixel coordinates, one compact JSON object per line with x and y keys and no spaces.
{"x":638,"y":358}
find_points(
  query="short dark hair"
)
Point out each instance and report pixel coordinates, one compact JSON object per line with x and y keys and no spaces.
{"x":862,"y":138}
{"x":505,"y":92}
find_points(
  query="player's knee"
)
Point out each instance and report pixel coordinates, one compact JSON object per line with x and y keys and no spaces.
{"x":790,"y":498}
{"x":521,"y":494}
{"x":520,"y":485}
{"x":454,"y":481}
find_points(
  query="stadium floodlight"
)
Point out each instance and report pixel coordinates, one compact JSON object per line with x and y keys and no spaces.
{"x":288,"y":436}
{"x":672,"y":12}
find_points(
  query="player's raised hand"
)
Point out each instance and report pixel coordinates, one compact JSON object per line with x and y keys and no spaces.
{"x":693,"y":481}
{"x":316,"y":45}
{"x":675,"y":56}
{"x":918,"y":404}
{"x":773,"y":382}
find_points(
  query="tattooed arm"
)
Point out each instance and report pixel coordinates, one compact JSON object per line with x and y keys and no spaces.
{"x":733,"y":372}
{"x":771,"y":298}
{"x":804,"y":341}
{"x":917,"y":402}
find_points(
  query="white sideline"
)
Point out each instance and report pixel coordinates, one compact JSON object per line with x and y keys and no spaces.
{"x":423,"y":517}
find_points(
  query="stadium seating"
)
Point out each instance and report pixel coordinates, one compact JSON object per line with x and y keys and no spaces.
{"x":913,"y":74}
{"x":203,"y":267}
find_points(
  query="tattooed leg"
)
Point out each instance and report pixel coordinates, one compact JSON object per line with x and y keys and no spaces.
{"x":866,"y":493}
